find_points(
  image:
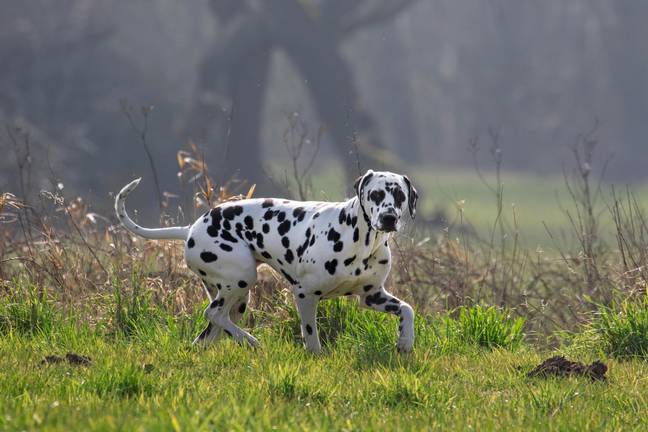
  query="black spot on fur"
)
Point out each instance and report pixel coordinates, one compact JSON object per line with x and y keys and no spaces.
{"x":367,"y":288}
{"x":375,"y":299}
{"x":333,"y":235}
{"x":299,"y":213}
{"x":288,"y":277}
{"x":208,"y":256}
{"x":309,"y":329}
{"x":285,"y":241}
{"x":337,"y":247}
{"x":342,"y":216}
{"x":215,"y":226}
{"x":349,"y":260}
{"x":312,"y":241}
{"x":191,"y":243}
{"x":316,"y":215}
{"x":356,"y":235}
{"x":399,"y":196}
{"x":259,"y":240}
{"x":225,"y":235}
{"x":242,"y":284}
{"x":268,"y":215}
{"x":202,"y":272}
{"x":284,"y":227}
{"x":267,"y":203}
{"x":226,"y":247}
{"x":301,"y":295}
{"x":217,"y":303}
{"x":266,"y":255}
{"x":249,"y":222}
{"x":289,"y":256}
{"x":219,"y":286}
{"x":232,"y":211}
{"x":266,"y":228}
{"x":227,"y":225}
{"x":385,"y":261}
{"x":357,"y":272}
{"x":281,"y":216}
{"x":391,"y":308}
{"x":366,"y":263}
{"x":302,"y":248}
{"x":331,"y":265}
{"x":242,"y":307}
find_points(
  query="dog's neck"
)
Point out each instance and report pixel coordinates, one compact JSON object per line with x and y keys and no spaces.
{"x":370,"y":238}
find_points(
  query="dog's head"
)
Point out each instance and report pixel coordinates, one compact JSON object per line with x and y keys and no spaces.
{"x":383,"y":198}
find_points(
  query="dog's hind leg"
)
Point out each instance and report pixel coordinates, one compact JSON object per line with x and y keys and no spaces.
{"x":237,"y":311}
{"x":231,"y":268}
{"x":225,"y":310}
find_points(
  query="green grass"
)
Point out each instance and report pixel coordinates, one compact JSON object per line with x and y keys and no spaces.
{"x":489,"y":327}
{"x":623,"y":328}
{"x":151,"y":378}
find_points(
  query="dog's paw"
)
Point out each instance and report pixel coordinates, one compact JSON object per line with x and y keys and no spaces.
{"x":315,"y":350}
{"x":253,"y":342}
{"x":404,"y":345}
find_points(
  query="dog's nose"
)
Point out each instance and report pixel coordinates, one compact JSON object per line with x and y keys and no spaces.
{"x":388,"y":221}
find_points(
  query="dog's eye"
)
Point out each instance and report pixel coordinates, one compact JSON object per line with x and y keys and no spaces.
{"x":377,"y":196}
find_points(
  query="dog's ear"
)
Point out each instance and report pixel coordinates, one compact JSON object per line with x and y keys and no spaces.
{"x":412,"y":196}
{"x":361,"y":181}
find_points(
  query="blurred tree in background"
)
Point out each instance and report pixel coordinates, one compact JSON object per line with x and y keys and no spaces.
{"x":402,"y":82}
{"x":234,"y":75}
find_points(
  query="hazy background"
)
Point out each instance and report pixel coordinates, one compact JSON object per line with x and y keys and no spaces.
{"x":404,"y":85}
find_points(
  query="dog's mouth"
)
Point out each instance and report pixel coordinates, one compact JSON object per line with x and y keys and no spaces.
{"x":387,"y":228}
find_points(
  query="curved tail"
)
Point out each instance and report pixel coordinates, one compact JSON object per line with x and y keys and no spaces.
{"x":171,"y":233}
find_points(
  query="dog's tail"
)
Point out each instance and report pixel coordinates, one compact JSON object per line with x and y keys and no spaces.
{"x":171,"y":233}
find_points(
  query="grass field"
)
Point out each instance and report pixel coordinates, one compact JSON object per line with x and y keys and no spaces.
{"x":153,"y":379}
{"x":486,"y":315}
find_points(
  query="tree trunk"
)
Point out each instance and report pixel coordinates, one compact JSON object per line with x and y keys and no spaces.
{"x":330,"y":82}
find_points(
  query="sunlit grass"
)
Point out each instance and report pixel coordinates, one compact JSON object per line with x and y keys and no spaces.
{"x":153,"y":379}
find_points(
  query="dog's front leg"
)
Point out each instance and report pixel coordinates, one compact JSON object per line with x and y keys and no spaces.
{"x":307,"y":308}
{"x":381,"y":300}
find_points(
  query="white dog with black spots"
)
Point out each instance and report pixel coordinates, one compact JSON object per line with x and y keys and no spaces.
{"x":323,"y":249}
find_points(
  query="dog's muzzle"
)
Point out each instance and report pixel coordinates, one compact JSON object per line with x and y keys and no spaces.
{"x":388,"y":222}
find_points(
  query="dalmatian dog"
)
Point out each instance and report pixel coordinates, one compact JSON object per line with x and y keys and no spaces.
{"x":323,"y":249}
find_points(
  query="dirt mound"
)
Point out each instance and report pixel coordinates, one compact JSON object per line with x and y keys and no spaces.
{"x":561,"y":367}
{"x":72,"y":358}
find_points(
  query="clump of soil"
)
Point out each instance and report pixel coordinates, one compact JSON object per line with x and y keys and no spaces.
{"x":71,"y":358}
{"x":561,"y":367}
